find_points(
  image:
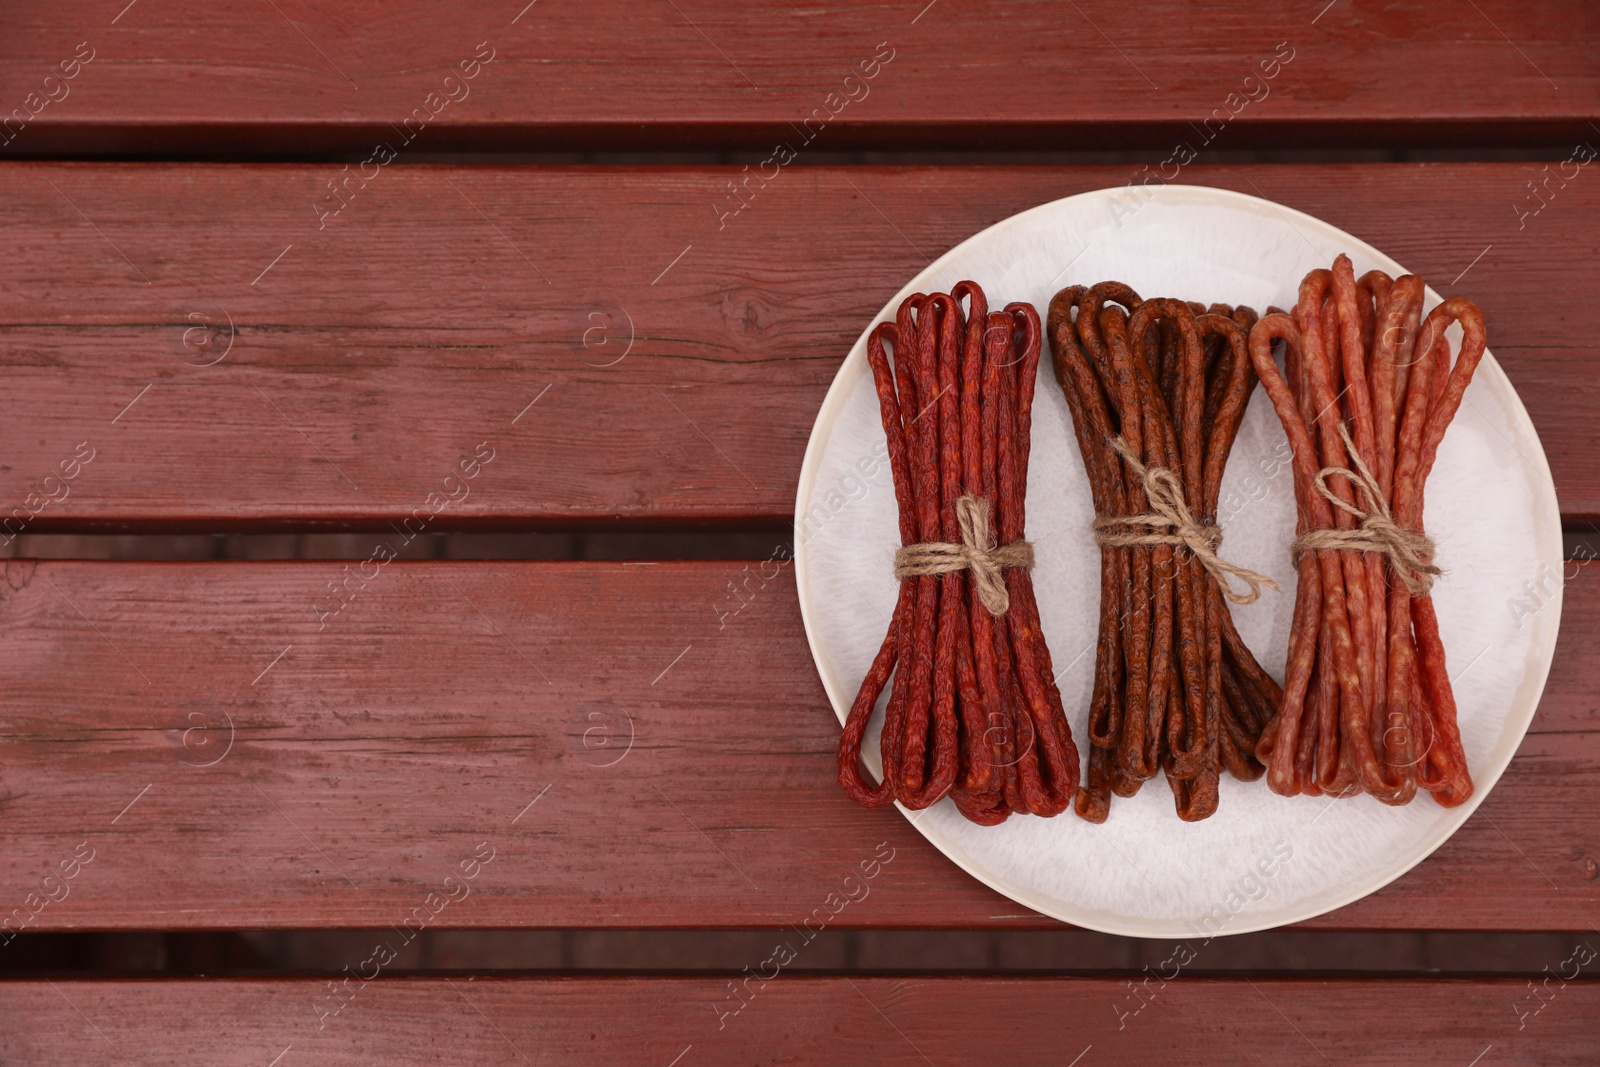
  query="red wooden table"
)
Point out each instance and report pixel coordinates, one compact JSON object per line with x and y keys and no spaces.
{"x":401,"y":426}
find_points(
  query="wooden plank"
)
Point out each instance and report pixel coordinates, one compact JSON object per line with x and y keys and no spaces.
{"x":629,"y":760}
{"x":674,"y":368}
{"x":794,"y":1019}
{"x":304,"y":76}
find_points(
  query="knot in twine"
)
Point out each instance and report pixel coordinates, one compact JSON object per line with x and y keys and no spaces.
{"x":1410,"y":553}
{"x":1170,"y":512}
{"x":976,"y":551}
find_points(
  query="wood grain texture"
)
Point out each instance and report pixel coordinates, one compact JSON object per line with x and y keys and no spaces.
{"x":798,"y":1020}
{"x":677,"y":363}
{"x":630,"y":760}
{"x":302,"y":76}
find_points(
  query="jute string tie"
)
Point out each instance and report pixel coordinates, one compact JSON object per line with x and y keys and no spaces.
{"x":1169,"y":512}
{"x":1409,"y":552}
{"x":976,"y":552}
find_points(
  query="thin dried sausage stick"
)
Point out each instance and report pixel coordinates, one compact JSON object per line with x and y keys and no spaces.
{"x":1374,"y":584}
{"x":1190,"y":734}
{"x":1145,"y":659}
{"x":942,"y":415}
{"x":1280,"y":755}
{"x":850,"y":776}
{"x":1060,"y":756}
{"x":925,"y":476}
{"x":980,"y":636}
{"x":1092,"y":424}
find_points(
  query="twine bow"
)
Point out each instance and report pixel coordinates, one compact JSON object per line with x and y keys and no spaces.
{"x":976,"y":551}
{"x":1410,"y":553}
{"x":1170,"y":512}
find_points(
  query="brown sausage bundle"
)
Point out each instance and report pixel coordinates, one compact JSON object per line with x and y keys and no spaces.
{"x":1367,"y":393}
{"x":973,"y":710}
{"x":1174,"y":686}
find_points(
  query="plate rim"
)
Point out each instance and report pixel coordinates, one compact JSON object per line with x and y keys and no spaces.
{"x":1545,"y":505}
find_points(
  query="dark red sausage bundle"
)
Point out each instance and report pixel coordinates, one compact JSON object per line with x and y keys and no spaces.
{"x":973,"y":711}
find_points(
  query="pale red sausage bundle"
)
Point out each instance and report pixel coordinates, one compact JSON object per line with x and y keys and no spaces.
{"x":1367,"y":391}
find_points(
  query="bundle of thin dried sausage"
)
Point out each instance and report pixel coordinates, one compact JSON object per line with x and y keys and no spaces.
{"x":973,"y":711}
{"x":1367,"y":392}
{"x":1157,"y":390}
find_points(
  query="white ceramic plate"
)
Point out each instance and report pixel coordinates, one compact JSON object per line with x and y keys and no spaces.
{"x":1262,"y":860}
